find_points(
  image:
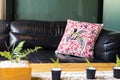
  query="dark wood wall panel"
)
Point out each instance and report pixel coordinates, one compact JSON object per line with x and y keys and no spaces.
{"x":10,"y":14}
{"x":9,"y":10}
{"x":100,"y":11}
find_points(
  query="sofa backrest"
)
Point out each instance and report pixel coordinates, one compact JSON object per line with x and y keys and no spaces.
{"x":37,"y":33}
{"x":4,"y":35}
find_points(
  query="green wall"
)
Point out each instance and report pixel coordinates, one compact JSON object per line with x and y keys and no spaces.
{"x":111,"y":14}
{"x":56,"y":10}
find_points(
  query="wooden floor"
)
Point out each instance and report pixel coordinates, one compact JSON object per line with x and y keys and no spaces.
{"x":46,"y":67}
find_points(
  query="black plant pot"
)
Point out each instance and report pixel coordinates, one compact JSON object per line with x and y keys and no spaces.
{"x":56,"y":73}
{"x":116,"y":72}
{"x":90,"y":72}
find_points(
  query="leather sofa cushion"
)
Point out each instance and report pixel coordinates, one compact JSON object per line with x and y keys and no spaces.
{"x":63,"y":58}
{"x":41,"y":56}
{"x":107,"y":45}
{"x":4,"y":41}
{"x":4,"y":27}
{"x":38,"y":27}
{"x":46,"y":42}
{"x":4,"y":37}
{"x":46,"y":34}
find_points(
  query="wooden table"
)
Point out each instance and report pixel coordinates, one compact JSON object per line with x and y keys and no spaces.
{"x":46,"y":67}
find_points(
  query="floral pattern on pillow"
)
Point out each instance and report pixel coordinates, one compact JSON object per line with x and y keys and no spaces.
{"x":79,"y":38}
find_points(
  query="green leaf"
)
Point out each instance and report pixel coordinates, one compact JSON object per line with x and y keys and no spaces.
{"x":19,"y":47}
{"x":56,"y":62}
{"x":88,"y":62}
{"x":28,"y":51}
{"x":6,"y":55}
{"x":117,"y":61}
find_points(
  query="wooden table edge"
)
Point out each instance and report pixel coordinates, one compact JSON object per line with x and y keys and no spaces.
{"x":70,"y":67}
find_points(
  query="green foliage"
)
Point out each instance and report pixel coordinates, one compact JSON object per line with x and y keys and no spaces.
{"x":6,"y":55}
{"x":16,"y":53}
{"x":88,"y":62}
{"x":56,"y":62}
{"x":117,"y":61}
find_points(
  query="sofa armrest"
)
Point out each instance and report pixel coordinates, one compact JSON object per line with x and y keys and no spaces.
{"x":107,"y":46}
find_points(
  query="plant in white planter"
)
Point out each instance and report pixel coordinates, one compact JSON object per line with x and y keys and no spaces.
{"x":116,"y":69}
{"x":90,"y":70}
{"x":14,"y":63}
{"x":56,"y":62}
{"x":16,"y":54}
{"x":117,"y":61}
{"x":56,"y":71}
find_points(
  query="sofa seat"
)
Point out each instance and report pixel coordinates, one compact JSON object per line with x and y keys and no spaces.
{"x":41,"y":56}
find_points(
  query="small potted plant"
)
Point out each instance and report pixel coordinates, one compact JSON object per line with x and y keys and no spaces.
{"x":14,"y":68}
{"x":90,"y":70}
{"x":116,"y":69}
{"x":56,"y":71}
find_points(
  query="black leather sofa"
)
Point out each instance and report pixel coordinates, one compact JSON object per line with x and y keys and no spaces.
{"x":48,"y":34}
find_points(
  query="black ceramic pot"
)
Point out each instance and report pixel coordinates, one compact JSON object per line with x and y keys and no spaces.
{"x":56,"y":73}
{"x":90,"y":72}
{"x":116,"y":72}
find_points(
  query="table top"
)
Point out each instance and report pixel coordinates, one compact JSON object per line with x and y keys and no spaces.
{"x":70,"y":67}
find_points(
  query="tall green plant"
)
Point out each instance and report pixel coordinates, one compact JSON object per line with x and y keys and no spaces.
{"x":56,"y":62}
{"x":17,"y":54}
{"x":117,"y":61}
{"x":88,"y":62}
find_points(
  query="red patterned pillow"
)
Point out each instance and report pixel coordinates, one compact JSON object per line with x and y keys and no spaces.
{"x":79,"y":38}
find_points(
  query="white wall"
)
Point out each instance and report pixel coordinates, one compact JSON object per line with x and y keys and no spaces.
{"x":2,"y":9}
